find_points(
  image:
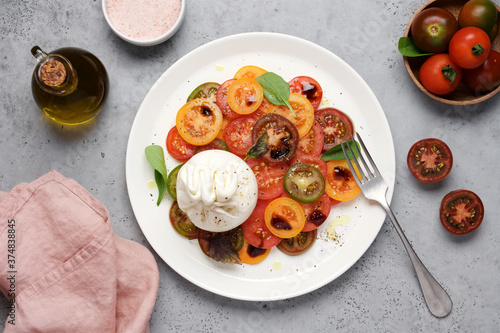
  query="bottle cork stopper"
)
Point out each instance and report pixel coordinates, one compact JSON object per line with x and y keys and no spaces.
{"x":53,"y":73}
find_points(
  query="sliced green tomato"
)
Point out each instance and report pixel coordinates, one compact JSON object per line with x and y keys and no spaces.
{"x":216,"y":144}
{"x":181,"y":222}
{"x":298,"y":244}
{"x":304,"y":183}
{"x":172,"y":182}
{"x":204,"y":90}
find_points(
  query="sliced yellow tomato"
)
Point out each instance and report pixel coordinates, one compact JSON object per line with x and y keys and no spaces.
{"x":340,"y":182}
{"x":302,"y":108}
{"x":199,"y":121}
{"x":245,"y":95}
{"x":284,"y":217}
{"x":252,"y":255}
{"x":249,"y":71}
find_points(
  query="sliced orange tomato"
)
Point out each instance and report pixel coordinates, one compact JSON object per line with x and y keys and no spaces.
{"x":245,"y":95}
{"x":252,"y":255}
{"x":340,"y":183}
{"x":302,"y":108}
{"x":284,"y":217}
{"x":199,"y":121}
{"x":249,"y":71}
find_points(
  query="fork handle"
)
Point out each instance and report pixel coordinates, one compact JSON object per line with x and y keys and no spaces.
{"x":436,"y":298}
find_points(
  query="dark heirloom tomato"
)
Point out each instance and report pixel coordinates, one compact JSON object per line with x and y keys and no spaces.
{"x":221,"y":99}
{"x":469,"y":47}
{"x":181,"y":222}
{"x":485,"y":77}
{"x":298,"y":244}
{"x":304,"y":183}
{"x":482,"y":14}
{"x":337,"y":126}
{"x":308,"y":87}
{"x":432,"y":29}
{"x":439,"y":75}
{"x":177,"y":147}
{"x":171,"y":182}
{"x":430,"y":160}
{"x":461,"y":212}
{"x":283,"y":137}
{"x":205,"y":90}
{"x":238,"y":135}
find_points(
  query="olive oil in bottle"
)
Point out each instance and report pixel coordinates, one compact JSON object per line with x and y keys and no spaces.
{"x":69,"y":85}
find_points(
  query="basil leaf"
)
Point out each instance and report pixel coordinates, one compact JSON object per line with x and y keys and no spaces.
{"x":221,"y":249}
{"x":336,"y":153}
{"x":276,"y":90}
{"x":407,"y":47}
{"x":259,"y":148}
{"x":156,"y":158}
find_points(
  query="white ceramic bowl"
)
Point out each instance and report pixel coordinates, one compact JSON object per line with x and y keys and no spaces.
{"x":147,"y":42}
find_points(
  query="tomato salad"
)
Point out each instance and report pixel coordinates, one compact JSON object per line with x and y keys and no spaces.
{"x":282,"y":141}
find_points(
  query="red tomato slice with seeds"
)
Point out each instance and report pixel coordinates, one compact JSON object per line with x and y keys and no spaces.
{"x":255,"y":230}
{"x":337,"y":126}
{"x":177,"y":147}
{"x":221,"y":98}
{"x":269,"y":177}
{"x":312,"y":143}
{"x":308,"y":87}
{"x":430,"y":160}
{"x":461,"y":212}
{"x":238,"y":135}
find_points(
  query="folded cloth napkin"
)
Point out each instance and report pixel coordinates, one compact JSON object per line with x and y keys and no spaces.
{"x":62,"y":268}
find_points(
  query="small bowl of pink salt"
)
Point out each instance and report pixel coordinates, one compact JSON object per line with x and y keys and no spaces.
{"x":144,"y":23}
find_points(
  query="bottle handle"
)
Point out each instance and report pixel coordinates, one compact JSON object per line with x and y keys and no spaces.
{"x":38,"y":53}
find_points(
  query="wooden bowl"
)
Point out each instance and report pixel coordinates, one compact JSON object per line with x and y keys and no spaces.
{"x":462,"y":95}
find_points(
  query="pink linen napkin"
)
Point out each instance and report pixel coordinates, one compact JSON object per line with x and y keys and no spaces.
{"x":62,"y":268}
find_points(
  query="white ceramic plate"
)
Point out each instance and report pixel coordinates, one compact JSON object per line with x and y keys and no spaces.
{"x":279,"y":276}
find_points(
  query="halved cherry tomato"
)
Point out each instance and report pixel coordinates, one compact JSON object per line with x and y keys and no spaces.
{"x":269,"y":177}
{"x":238,"y":135}
{"x":304,"y":183}
{"x":283,"y":137}
{"x":255,"y":230}
{"x":177,"y":147}
{"x":430,"y":160}
{"x":199,"y":121}
{"x":221,"y":99}
{"x":461,"y":212}
{"x":304,"y":113}
{"x":311,"y":144}
{"x":340,"y":182}
{"x":181,"y":222}
{"x":252,"y":255}
{"x":337,"y":126}
{"x":284,"y":217}
{"x":245,"y":95}
{"x":249,"y":71}
{"x":485,"y":77}
{"x":469,"y":47}
{"x":439,"y":75}
{"x":316,"y":212}
{"x":298,"y":244}
{"x":308,"y":87}
{"x":206,"y":90}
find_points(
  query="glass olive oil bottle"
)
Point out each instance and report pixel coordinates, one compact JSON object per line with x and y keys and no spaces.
{"x":69,"y":85}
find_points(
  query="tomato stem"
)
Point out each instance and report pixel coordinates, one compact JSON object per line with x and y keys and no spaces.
{"x":477,"y":50}
{"x":449,"y":73}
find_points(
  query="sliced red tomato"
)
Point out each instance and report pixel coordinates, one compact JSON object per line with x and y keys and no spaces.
{"x":284,"y":217}
{"x":337,"y":126}
{"x":316,"y":212}
{"x":298,"y":244}
{"x":245,"y":95}
{"x":461,"y":212}
{"x":255,"y":230}
{"x":340,"y":182}
{"x":177,"y":147}
{"x":269,"y":177}
{"x":221,"y":98}
{"x":304,"y":113}
{"x":308,"y":87}
{"x":199,"y":121}
{"x":430,"y":160}
{"x":311,"y":144}
{"x":238,"y":135}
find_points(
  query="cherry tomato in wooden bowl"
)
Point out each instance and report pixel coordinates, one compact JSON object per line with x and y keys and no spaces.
{"x":469,"y":47}
{"x":440,"y":75}
{"x":433,"y":28}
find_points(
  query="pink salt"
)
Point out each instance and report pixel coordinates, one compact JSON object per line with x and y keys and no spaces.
{"x":143,"y":19}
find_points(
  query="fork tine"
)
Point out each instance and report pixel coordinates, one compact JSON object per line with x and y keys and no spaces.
{"x":351,"y":167}
{"x":372,"y":163}
{"x":368,"y":173}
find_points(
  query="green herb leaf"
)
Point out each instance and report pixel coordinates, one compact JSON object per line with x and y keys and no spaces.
{"x":276,"y":90}
{"x":336,"y":153}
{"x":259,"y":148}
{"x":221,"y":249}
{"x":407,"y":47}
{"x":156,"y":158}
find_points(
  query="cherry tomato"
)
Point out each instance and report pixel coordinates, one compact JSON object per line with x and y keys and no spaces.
{"x":439,"y":75}
{"x":269,"y":177}
{"x":283,"y":137}
{"x":199,"y":121}
{"x":255,"y":230}
{"x":304,"y":113}
{"x":181,"y":222}
{"x":177,"y":147}
{"x":304,"y":183}
{"x":432,"y":29}
{"x":238,"y":135}
{"x":340,"y":182}
{"x":308,"y":87}
{"x":298,"y":244}
{"x":249,"y":71}
{"x":205,"y":90}
{"x":221,"y":99}
{"x":284,"y":217}
{"x":311,"y":144}
{"x":252,"y":255}
{"x":469,"y":47}
{"x":485,"y":77}
{"x":316,"y":212}
{"x":337,"y":126}
{"x":481,"y":14}
{"x":430,"y":160}
{"x":461,"y":212}
{"x":245,"y":95}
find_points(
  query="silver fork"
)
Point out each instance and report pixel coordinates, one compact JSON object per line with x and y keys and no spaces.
{"x":374,"y":188}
